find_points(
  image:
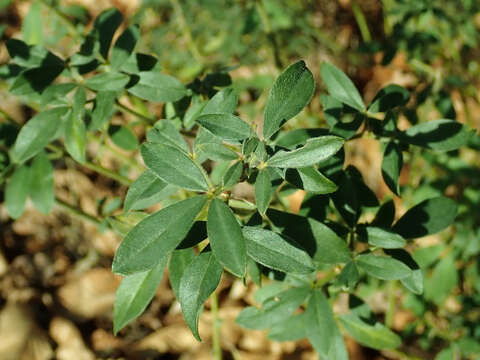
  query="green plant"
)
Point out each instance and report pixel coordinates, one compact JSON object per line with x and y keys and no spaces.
{"x":203,"y":229}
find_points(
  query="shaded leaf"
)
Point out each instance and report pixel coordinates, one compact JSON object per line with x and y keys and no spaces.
{"x":179,"y":262}
{"x":388,"y":98}
{"x":124,"y":46}
{"x":426,"y":218}
{"x":383,"y":238}
{"x":391,"y":166}
{"x":157,"y":87}
{"x":225,"y":101}
{"x":440,"y":135}
{"x":123,"y":137}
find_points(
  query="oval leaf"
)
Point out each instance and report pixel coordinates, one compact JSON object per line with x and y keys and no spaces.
{"x":156,"y":236}
{"x":377,"y":336}
{"x":383,"y":267}
{"x":440,"y":135}
{"x":291,"y":91}
{"x":340,"y":86}
{"x":225,"y":126}
{"x":16,"y":191}
{"x":384,"y":238}
{"x":391,"y":166}
{"x":174,"y":166}
{"x":263,"y":190}
{"x":226,"y":238}
{"x":314,"y":151}
{"x":124,"y":46}
{"x":144,"y":192}
{"x":42,"y":189}
{"x":135,"y":293}
{"x":426,"y":218}
{"x":273,"y":251}
{"x":200,"y":279}
{"x":37,"y":133}
{"x":158,"y":87}
{"x":108,"y":81}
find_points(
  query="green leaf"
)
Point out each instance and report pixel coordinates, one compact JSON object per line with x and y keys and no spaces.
{"x":103,"y":110}
{"x":30,"y":56}
{"x":263,"y":190}
{"x":105,"y":26}
{"x":233,"y":174}
{"x":200,"y":279}
{"x":275,"y":252}
{"x":426,"y":218}
{"x":75,"y":129}
{"x":144,"y":192}
{"x":179,"y":262}
{"x":320,"y":324}
{"x":16,"y":191}
{"x":42,"y":189}
{"x":349,"y":275}
{"x":391,"y":166}
{"x":383,"y":267}
{"x":388,"y":98}
{"x":384,"y":238}
{"x":107,"y":81}
{"x":225,"y":126}
{"x":340,"y":86}
{"x":226,"y":238}
{"x":155,"y":236}
{"x":375,"y":336}
{"x":318,"y":240}
{"x":135,"y":293}
{"x":216,"y":152}
{"x":165,"y":132}
{"x":290,"y":329}
{"x":310,"y":179}
{"x":174,"y":166}
{"x":124,"y":46}
{"x":32,"y":25}
{"x":443,"y":280}
{"x":37,"y":133}
{"x":157,"y":87}
{"x":440,"y":135}
{"x":314,"y":151}
{"x":274,"y":309}
{"x":414,"y":282}
{"x":141,"y":62}
{"x":123,"y":137}
{"x":36,"y":80}
{"x":223,"y":102}
{"x":290,"y":93}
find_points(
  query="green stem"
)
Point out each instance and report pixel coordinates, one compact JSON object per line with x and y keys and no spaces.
{"x":270,"y":34}
{"x":216,"y":325}
{"x":7,"y":117}
{"x":390,"y":315}
{"x":146,"y":119}
{"x":185,"y":28}
{"x":77,"y":212}
{"x":71,"y":27}
{"x":361,"y":22}
{"x":108,"y":173}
